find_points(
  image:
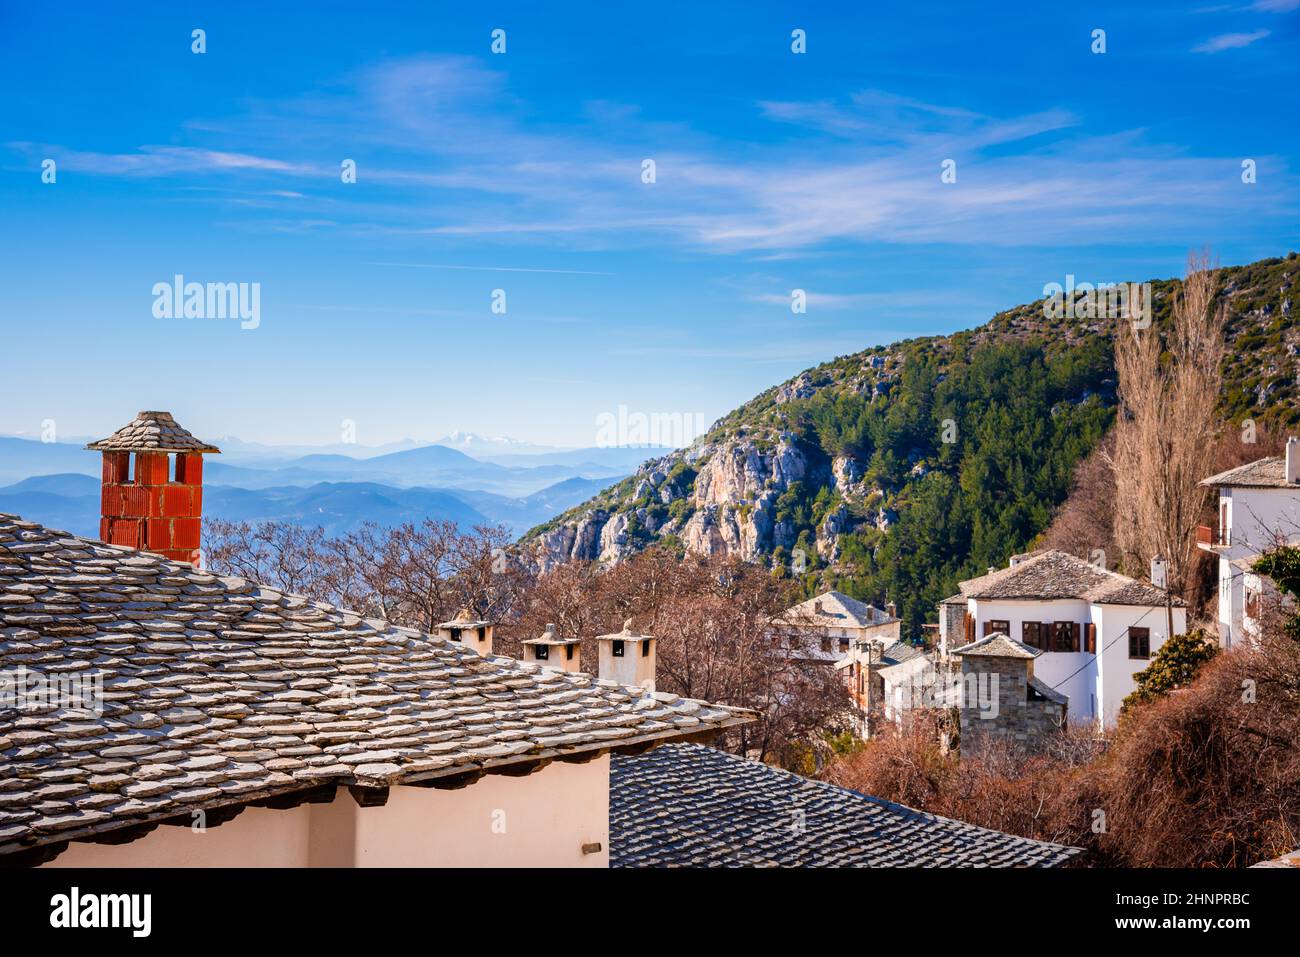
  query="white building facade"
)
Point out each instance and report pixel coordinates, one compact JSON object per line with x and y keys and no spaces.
{"x":1095,"y":628}
{"x":1258,"y":510}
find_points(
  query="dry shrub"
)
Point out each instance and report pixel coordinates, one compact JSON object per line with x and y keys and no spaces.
{"x":1206,"y":776}
{"x":1203,"y":777}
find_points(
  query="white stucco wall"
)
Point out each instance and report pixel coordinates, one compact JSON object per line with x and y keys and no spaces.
{"x":1073,"y":674}
{"x":1096,"y":685}
{"x":1117,"y":668}
{"x":1258,"y":519}
{"x":541,"y":820}
{"x":1257,"y":516}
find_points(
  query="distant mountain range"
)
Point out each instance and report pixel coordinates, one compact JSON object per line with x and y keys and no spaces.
{"x":504,"y":481}
{"x":71,"y":502}
{"x":514,"y":474}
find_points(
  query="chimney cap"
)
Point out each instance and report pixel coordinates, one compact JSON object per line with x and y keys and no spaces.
{"x":465,"y":619}
{"x":152,"y":432}
{"x":550,"y":637}
{"x":628,"y":633}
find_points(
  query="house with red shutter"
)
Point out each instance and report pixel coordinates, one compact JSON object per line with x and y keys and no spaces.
{"x":1094,"y":628}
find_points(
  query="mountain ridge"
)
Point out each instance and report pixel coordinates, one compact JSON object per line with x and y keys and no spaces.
{"x":843,"y":469}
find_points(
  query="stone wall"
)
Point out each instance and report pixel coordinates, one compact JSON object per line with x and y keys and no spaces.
{"x":1023,"y":716}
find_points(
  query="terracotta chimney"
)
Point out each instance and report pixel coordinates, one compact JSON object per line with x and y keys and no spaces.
{"x":628,"y":657}
{"x":551,"y":651}
{"x":146,"y":503}
{"x":474,"y":633}
{"x":1292,"y":461}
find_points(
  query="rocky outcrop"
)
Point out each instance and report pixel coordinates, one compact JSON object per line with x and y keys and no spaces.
{"x":731,"y":504}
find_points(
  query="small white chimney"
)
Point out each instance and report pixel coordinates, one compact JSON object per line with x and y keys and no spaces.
{"x":1292,"y":461}
{"x":551,"y":651}
{"x":891,"y":609}
{"x":1159,"y":572}
{"x":627,"y":657}
{"x":474,"y":633}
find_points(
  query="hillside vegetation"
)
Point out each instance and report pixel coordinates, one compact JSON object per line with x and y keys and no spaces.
{"x":897,"y":471}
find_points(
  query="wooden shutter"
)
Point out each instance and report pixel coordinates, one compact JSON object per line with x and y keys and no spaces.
{"x":1074,"y":635}
{"x":1092,"y":638}
{"x":969,"y":627}
{"x":988,"y":628}
{"x":1027,"y":635}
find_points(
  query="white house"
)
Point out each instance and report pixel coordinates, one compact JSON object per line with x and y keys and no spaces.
{"x":1259,"y":509}
{"x":1096,"y":628}
{"x":831,"y":623}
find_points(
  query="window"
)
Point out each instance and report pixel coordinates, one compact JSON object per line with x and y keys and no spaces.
{"x":1252,"y":603}
{"x":455,"y":634}
{"x":1139,"y":642}
{"x":618,"y":649}
{"x":568,"y":652}
{"x":543,"y":652}
{"x":844,"y":644}
{"x":995,"y":626}
{"x":645,"y":649}
{"x":1029,"y":634}
{"x":826,"y":644}
{"x":1065,"y":636}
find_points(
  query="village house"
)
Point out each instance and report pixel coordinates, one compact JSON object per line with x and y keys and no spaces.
{"x":1259,"y":509}
{"x":826,"y":626}
{"x":1094,"y":629}
{"x":882,"y":675}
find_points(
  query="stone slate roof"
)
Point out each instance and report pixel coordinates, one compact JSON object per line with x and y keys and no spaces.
{"x":838,"y":611}
{"x":1262,"y":473}
{"x":685,"y":805}
{"x":220,"y":692}
{"x":897,"y":652}
{"x":152,"y":432}
{"x":1054,"y":575}
{"x":998,"y":645}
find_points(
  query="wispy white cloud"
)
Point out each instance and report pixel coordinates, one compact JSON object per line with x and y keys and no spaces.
{"x":158,"y":161}
{"x":1229,"y":41}
{"x":444,"y":149}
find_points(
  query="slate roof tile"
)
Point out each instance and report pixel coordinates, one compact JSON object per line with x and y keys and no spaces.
{"x":240,"y":693}
{"x":1053,"y":575}
{"x":686,"y":805}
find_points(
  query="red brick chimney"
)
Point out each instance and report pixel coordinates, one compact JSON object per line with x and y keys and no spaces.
{"x":144,"y":502}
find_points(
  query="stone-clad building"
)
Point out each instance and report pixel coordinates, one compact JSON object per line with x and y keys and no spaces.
{"x":1001,"y":698}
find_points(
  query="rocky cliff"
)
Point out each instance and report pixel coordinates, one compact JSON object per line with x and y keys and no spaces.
{"x":833,"y":456}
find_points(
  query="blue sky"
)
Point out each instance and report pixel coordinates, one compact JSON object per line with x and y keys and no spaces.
{"x":522,"y":171}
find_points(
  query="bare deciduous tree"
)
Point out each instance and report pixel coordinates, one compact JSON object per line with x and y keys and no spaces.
{"x":1165,"y":431}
